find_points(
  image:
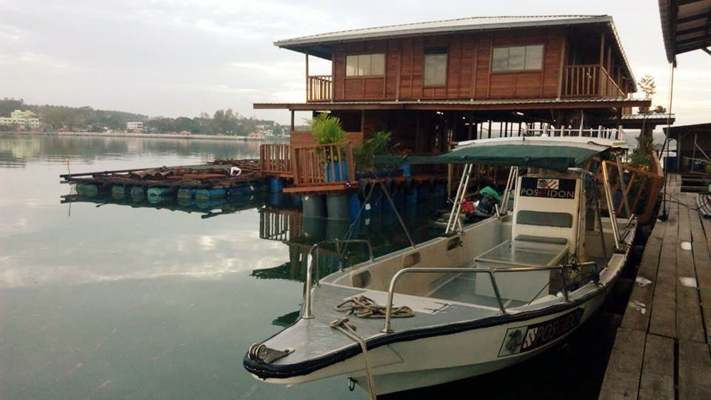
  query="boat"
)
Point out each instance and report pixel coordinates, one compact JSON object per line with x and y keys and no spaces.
{"x":480,"y":297}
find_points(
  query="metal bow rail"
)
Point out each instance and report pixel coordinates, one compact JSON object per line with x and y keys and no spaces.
{"x":475,"y":270}
{"x":307,"y":314}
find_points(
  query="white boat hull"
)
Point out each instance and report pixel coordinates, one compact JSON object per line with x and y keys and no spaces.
{"x":440,"y":359}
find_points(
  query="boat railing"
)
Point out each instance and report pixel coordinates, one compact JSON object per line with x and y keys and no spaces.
{"x":473,"y":270}
{"x":312,"y":260}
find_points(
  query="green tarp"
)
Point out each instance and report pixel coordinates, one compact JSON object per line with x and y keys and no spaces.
{"x":558,"y":156}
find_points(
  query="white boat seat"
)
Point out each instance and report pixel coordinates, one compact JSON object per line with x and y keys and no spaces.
{"x":526,"y":251}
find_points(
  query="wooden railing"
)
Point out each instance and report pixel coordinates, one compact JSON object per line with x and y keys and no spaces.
{"x":280,"y":224}
{"x":323,"y":164}
{"x":589,"y":81}
{"x":319,"y":88}
{"x":275,"y":159}
{"x":599,"y":132}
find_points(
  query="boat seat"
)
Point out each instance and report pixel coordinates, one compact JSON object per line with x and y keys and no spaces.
{"x":526,"y":251}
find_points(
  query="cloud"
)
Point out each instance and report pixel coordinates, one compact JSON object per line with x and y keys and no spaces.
{"x":178,"y":57}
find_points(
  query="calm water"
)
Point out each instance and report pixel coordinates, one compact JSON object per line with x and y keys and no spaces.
{"x":108,"y":301}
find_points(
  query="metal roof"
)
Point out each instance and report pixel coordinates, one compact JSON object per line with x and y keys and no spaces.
{"x":686,"y":26}
{"x":445,"y":26}
{"x":319,"y":45}
{"x":703,"y":129}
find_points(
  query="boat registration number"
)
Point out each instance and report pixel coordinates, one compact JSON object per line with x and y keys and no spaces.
{"x":548,"y":187}
{"x":525,"y":338}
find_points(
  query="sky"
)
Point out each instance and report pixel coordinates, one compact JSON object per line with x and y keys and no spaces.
{"x":173,"y":57}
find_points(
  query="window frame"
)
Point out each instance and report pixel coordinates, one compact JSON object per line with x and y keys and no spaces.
{"x":518,"y":71}
{"x":385,"y":65}
{"x":436,"y":51}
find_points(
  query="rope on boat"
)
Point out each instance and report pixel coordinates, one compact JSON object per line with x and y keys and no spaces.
{"x":365,"y":307}
{"x":347,"y":328}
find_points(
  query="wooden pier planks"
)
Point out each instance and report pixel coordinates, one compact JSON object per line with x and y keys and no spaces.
{"x":657,"y":380}
{"x":674,"y":329}
{"x":622,"y":376}
{"x":694,"y":371}
{"x":663,"y":310}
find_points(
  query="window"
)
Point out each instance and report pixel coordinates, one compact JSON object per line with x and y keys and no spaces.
{"x":435,"y":67}
{"x":517,"y":58}
{"x":365,"y":65}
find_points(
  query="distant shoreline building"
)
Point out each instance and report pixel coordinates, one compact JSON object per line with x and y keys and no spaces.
{"x":134,"y":126}
{"x":18,"y":118}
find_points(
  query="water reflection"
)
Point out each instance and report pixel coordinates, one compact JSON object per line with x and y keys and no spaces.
{"x":19,"y":149}
{"x":118,"y":299}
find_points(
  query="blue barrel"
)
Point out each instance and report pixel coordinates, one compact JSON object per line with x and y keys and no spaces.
{"x":354,"y":205}
{"x":335,"y":171}
{"x":118,"y":192}
{"x":208,"y":194}
{"x":276,"y":185}
{"x":313,"y":206}
{"x":337,"y":206}
{"x":87,"y":189}
{"x":138,"y":193}
{"x":411,"y":196}
{"x":157,"y":194}
{"x":185,"y":193}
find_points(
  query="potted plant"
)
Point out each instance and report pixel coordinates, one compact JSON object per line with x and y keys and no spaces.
{"x":375,"y":145}
{"x":327,"y":130}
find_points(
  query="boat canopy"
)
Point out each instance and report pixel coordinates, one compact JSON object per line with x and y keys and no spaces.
{"x":548,"y":153}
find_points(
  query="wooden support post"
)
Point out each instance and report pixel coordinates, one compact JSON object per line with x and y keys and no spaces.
{"x":307,"y":76}
{"x":489,"y":129}
{"x":602,"y":49}
{"x":362,"y":123}
{"x":562,"y":68}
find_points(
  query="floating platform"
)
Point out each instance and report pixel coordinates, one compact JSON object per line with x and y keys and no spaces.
{"x":661,"y":348}
{"x":215,"y":180}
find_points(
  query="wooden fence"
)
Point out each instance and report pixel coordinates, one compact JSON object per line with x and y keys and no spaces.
{"x":309,"y":165}
{"x":275,"y":159}
{"x":321,"y":164}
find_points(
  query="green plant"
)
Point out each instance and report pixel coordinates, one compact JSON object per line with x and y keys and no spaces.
{"x":327,"y":129}
{"x":375,"y":145}
{"x":642,"y":154}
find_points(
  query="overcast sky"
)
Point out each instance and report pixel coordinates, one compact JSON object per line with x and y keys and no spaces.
{"x":172,"y":57}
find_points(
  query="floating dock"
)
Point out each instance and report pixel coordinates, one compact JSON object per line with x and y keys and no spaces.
{"x":214,"y":180}
{"x":661,"y":348}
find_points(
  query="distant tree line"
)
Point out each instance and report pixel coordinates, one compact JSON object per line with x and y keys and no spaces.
{"x":224,"y":122}
{"x":54,"y":118}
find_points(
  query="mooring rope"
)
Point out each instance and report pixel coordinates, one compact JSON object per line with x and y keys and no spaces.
{"x":365,"y":307}
{"x":344,"y":326}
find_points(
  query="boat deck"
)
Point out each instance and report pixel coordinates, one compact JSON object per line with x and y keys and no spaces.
{"x":661,"y":348}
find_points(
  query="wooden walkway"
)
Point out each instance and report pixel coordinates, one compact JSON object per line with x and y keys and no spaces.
{"x":661,"y":348}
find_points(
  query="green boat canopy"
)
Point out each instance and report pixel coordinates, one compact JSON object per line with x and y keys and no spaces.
{"x":554,"y":155}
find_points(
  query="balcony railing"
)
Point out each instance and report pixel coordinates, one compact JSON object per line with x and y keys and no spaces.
{"x":309,"y":165}
{"x":589,"y":81}
{"x":275,"y":159}
{"x":319,"y":88}
{"x":323,"y":164}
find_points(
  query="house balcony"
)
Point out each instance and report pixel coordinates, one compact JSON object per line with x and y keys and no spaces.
{"x":591,"y":80}
{"x":319,"y":88}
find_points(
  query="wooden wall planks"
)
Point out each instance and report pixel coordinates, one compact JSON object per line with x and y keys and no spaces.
{"x":468,"y":68}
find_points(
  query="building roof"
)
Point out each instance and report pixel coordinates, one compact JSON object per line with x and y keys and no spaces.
{"x":463,"y":105}
{"x":319,"y":45}
{"x":686,"y":26}
{"x":703,"y":129}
